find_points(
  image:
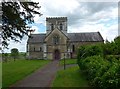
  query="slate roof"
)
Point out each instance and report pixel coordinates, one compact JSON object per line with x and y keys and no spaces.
{"x":74,"y":37}
{"x":37,"y":38}
{"x":85,"y":37}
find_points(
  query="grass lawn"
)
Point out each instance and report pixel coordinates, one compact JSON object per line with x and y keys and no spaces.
{"x":14,"y":71}
{"x":0,"y":75}
{"x":71,"y":77}
{"x":68,"y":61}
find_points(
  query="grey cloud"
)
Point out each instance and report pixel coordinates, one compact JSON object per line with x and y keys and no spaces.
{"x":92,"y":9}
{"x":79,"y":15}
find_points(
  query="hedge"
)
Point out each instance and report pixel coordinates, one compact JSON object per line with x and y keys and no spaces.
{"x":100,"y":72}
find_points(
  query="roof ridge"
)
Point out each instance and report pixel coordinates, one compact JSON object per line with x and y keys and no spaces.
{"x":84,"y":32}
{"x":55,"y":17}
{"x":39,"y":34}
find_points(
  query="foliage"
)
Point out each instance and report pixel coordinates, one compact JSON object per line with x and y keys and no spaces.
{"x":15,"y":19}
{"x":4,"y":57}
{"x":7,"y":57}
{"x":117,"y":42}
{"x":15,"y":71}
{"x":102,"y":71}
{"x":112,"y":48}
{"x":14,"y":53}
{"x":89,"y":50}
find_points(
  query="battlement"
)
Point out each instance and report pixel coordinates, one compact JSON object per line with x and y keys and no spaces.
{"x":56,"y":18}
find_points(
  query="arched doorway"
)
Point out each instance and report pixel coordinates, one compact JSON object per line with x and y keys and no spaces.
{"x":56,"y":54}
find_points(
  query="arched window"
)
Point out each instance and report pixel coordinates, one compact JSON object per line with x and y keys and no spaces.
{"x":56,"y":40}
{"x":61,"y":26}
{"x":52,"y":26}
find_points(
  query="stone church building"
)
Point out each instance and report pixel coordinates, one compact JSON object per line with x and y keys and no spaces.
{"x":57,"y":43}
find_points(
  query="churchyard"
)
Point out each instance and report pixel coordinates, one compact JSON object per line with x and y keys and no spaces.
{"x":13,"y":71}
{"x":99,"y":66}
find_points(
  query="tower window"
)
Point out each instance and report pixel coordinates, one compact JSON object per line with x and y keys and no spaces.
{"x":61,"y":26}
{"x":52,"y":26}
{"x":56,"y":40}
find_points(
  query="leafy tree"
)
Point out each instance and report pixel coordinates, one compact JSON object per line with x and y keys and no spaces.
{"x":5,"y":57}
{"x":15,"y":19}
{"x":14,"y":53}
{"x":117,"y":42}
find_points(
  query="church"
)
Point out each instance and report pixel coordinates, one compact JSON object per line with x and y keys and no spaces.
{"x":57,"y":44}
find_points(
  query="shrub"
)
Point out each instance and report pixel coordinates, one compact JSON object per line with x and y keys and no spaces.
{"x":86,"y":51}
{"x":101,"y":64}
{"x":101,"y":72}
{"x":110,"y":79}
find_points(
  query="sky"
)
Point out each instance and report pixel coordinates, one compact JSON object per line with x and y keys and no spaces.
{"x":82,"y":15}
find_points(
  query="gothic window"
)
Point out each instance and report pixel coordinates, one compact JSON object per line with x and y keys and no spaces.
{"x":61,"y":26}
{"x":52,"y":26}
{"x":55,"y":40}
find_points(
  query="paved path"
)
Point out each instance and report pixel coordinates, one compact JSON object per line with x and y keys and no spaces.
{"x":41,"y":78}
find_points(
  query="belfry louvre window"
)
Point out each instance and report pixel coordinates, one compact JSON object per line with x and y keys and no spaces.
{"x":56,"y":40}
{"x":52,"y":26}
{"x":61,"y":26}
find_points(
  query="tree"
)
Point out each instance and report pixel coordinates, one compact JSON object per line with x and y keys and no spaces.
{"x":15,"y":19}
{"x":14,"y":53}
{"x":5,"y":57}
{"x":117,"y":42}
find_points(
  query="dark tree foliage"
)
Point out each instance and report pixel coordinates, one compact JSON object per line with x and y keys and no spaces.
{"x":5,"y":57}
{"x":14,"y":53}
{"x":117,"y":42}
{"x":15,"y":19}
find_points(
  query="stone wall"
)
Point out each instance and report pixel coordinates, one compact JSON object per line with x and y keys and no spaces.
{"x":36,"y":55}
{"x":35,"y":50}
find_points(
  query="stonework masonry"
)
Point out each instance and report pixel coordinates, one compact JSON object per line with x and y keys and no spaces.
{"x":57,"y":44}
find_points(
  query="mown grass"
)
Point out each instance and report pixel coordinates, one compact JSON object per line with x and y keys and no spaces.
{"x":0,"y":75}
{"x":68,"y":61}
{"x":17,"y":70}
{"x":71,"y":77}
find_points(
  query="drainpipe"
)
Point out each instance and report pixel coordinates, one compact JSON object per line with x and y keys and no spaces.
{"x":64,"y":62}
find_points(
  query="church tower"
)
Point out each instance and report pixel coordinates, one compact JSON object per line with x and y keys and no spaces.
{"x":56,"y":22}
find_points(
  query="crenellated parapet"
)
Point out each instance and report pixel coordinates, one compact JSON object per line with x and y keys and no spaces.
{"x":56,"y":18}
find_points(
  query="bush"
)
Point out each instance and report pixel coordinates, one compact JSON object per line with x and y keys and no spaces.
{"x":110,"y":79}
{"x":112,"y":58}
{"x":101,"y":72}
{"x":86,"y":51}
{"x":101,"y":64}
